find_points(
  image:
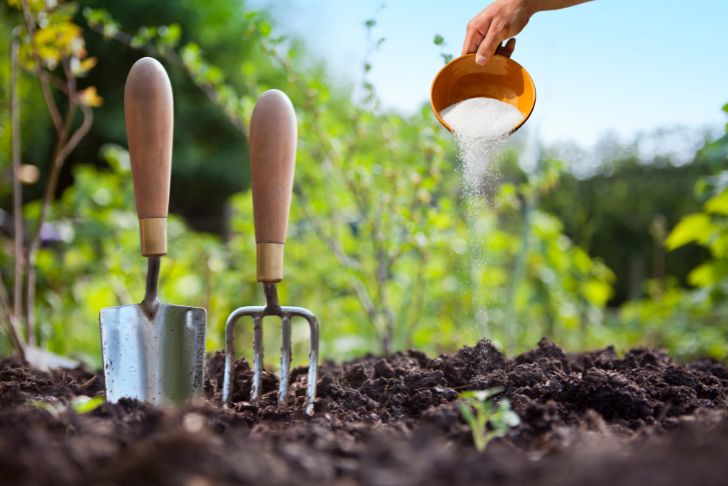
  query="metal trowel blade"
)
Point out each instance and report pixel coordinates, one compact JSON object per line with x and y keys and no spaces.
{"x":158,"y":360}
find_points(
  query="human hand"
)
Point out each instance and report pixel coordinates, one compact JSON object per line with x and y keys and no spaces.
{"x":494,"y":24}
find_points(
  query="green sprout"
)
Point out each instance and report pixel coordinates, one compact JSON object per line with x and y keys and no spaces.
{"x":487,"y":419}
{"x":80,"y":404}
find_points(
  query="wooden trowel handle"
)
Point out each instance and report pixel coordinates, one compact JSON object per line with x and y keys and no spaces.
{"x":272,"y":162}
{"x":149,"y":125}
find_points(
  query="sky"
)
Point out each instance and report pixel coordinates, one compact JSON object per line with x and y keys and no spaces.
{"x":619,"y":66}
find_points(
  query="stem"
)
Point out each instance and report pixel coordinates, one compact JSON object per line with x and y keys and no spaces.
{"x":382,"y":279}
{"x":519,"y":270}
{"x":62,"y":151}
{"x":418,"y":300}
{"x":8,"y":321}
{"x":18,"y":233}
{"x":39,"y":71}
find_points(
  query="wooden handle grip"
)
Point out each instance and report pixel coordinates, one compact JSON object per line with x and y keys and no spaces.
{"x":272,"y":142}
{"x":148,"y":107}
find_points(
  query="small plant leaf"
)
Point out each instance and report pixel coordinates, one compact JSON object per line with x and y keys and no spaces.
{"x":83,"y":404}
{"x":479,"y":412}
{"x":90,"y":97}
{"x":50,"y":407}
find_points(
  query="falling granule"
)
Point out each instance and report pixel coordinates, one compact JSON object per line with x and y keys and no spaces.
{"x":480,"y":126}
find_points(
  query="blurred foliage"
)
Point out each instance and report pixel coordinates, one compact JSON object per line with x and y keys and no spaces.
{"x":383,"y":245}
{"x":689,"y":322}
{"x":610,"y":213}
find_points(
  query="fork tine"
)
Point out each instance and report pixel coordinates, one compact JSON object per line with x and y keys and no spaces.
{"x":312,"y":362}
{"x":229,"y":358}
{"x":230,"y":350}
{"x":285,"y":361}
{"x":257,"y":356}
{"x":286,"y":314}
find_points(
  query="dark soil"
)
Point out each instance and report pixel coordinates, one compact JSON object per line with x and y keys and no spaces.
{"x":593,"y":418}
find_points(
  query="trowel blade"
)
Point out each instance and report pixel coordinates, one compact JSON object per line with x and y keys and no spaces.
{"x":159,"y":360}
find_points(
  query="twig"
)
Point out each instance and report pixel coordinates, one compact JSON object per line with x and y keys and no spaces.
{"x":419,"y":298}
{"x":18,"y":233}
{"x":10,"y":324}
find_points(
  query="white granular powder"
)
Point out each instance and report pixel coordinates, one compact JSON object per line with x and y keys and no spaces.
{"x":480,"y":126}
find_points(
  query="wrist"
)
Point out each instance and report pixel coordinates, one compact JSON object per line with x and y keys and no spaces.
{"x":530,"y":6}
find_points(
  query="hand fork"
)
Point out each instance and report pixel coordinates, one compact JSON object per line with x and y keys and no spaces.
{"x":272,"y":160}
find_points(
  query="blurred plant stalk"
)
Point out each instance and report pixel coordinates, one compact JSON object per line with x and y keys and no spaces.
{"x":13,"y":313}
{"x":62,"y":46}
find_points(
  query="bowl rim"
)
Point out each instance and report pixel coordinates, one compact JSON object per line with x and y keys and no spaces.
{"x":472,"y":55}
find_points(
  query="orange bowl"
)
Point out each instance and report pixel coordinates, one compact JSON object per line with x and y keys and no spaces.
{"x":501,"y":78}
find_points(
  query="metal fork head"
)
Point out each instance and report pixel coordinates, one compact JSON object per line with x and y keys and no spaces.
{"x":286,"y":313}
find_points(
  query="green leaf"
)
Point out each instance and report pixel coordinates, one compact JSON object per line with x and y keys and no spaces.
{"x":597,"y":292}
{"x":265,"y":28}
{"x":170,"y":34}
{"x":718,"y":204}
{"x":439,"y":40}
{"x":703,"y":275}
{"x":511,"y":418}
{"x":370,"y":23}
{"x":83,"y":404}
{"x":692,"y":228}
{"x":51,"y":407}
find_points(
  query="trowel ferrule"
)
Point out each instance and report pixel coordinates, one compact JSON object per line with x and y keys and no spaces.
{"x":153,"y":235}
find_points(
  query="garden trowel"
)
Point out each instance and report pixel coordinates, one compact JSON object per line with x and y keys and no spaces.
{"x":151,"y":351}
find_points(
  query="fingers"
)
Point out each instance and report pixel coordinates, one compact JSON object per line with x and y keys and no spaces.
{"x":487,"y":48}
{"x":500,"y":20}
{"x":507,"y":50}
{"x":475,"y":33}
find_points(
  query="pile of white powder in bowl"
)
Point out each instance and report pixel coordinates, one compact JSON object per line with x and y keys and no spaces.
{"x":480,"y":126}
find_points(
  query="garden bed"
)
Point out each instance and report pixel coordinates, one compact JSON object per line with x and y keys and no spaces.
{"x":592,"y":418}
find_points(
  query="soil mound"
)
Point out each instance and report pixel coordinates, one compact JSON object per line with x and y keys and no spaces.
{"x":594,"y":418}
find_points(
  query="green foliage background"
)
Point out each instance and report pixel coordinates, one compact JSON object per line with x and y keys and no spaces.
{"x":383,"y":245}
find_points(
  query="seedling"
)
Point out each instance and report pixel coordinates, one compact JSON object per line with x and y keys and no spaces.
{"x":487,"y":419}
{"x":80,"y":404}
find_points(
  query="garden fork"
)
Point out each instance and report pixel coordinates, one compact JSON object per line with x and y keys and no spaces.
{"x":272,"y":159}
